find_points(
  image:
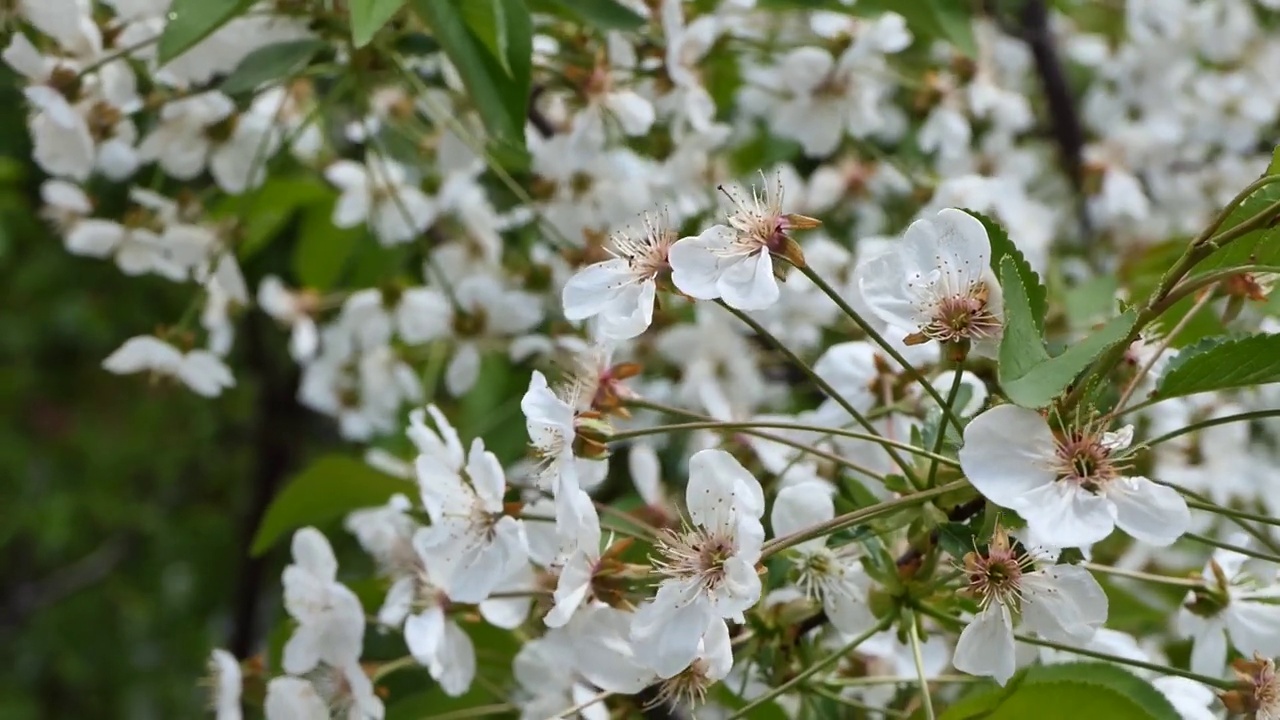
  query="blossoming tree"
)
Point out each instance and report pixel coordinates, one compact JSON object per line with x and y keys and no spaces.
{"x":720,"y":358}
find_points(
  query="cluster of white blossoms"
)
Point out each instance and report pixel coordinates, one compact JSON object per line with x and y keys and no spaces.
{"x":753,"y":259}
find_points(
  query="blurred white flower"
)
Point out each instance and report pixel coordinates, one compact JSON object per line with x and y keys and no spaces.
{"x":380,"y":194}
{"x":225,"y":682}
{"x":200,"y":370}
{"x":293,"y":309}
{"x":330,"y":620}
{"x":291,"y":698}
{"x":834,"y":577}
{"x":477,"y":543}
{"x":204,"y":131}
{"x":1243,"y":605}
{"x":546,"y":669}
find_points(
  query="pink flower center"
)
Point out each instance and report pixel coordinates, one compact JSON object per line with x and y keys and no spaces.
{"x":1081,"y":458}
{"x":697,"y":554}
{"x":997,"y":576}
{"x":962,"y":317}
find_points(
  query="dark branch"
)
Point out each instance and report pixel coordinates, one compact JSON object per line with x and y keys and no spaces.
{"x":1032,"y":26}
{"x":539,"y":121}
{"x":275,"y":435}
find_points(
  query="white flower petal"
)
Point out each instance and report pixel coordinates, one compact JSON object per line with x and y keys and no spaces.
{"x":986,"y":645}
{"x":592,"y":288}
{"x":718,"y":486}
{"x":1006,"y":452}
{"x":696,"y":262}
{"x":1064,"y":515}
{"x":1209,"y":650}
{"x":749,"y":284}
{"x":801,"y":506}
{"x":1152,"y":513}
{"x":1063,"y":603}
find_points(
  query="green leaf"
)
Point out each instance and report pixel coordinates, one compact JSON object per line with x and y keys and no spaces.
{"x":323,"y":248}
{"x":267,"y":212}
{"x":271,"y":63}
{"x":985,"y":697}
{"x":368,"y":17}
{"x":601,"y":14}
{"x":952,"y":21}
{"x":190,"y":21}
{"x":1028,"y":376}
{"x":501,"y":97}
{"x":1222,"y":363}
{"x":1022,"y":345}
{"x":957,"y":539}
{"x":329,"y":488}
{"x":1066,"y":692}
{"x":1002,"y":247}
{"x":487,"y":19}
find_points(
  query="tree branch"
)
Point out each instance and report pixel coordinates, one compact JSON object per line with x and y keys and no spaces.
{"x":275,"y":435}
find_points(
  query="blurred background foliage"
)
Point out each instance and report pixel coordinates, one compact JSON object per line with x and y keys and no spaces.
{"x":130,"y":504}
{"x":125,"y":502}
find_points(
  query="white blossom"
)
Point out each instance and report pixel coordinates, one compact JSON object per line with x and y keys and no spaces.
{"x":200,"y":370}
{"x":709,"y":568}
{"x":1058,"y":602}
{"x":830,"y":575}
{"x":1069,"y":485}
{"x":477,"y":543}
{"x":621,"y":292}
{"x":380,"y":194}
{"x":330,"y":620}
{"x":1244,"y":609}
{"x":938,"y":284}
{"x":734,"y":262}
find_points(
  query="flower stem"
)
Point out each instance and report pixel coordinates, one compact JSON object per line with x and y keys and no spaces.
{"x":861,"y":515}
{"x":1204,"y":245}
{"x":878,"y":339}
{"x":1162,"y":669}
{"x":1235,"y":548}
{"x":822,"y":385}
{"x":571,"y":711}
{"x":942,"y":426}
{"x":1211,"y":278}
{"x":749,"y":424}
{"x":623,"y":516}
{"x":926,"y":697}
{"x":387,"y":668}
{"x":1229,"y":512}
{"x":812,"y":669}
{"x":1200,"y":502}
{"x":1240,"y":417}
{"x":1155,"y":356}
{"x":874,"y":710}
{"x":1146,"y":577}
{"x":475,"y":712}
{"x":650,"y":405}
{"x":892,"y":680}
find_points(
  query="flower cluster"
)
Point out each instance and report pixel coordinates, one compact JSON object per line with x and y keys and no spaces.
{"x":748,"y":272}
